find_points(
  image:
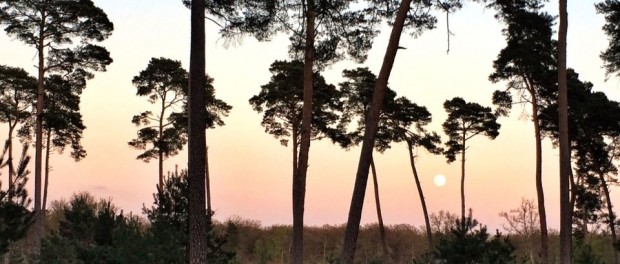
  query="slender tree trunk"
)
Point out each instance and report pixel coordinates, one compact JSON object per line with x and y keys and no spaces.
{"x":463,"y":180}
{"x":565,"y":210}
{"x":378,"y":203}
{"x":47,"y":169}
{"x":11,"y":167}
{"x":160,"y":151}
{"x":542,"y":214}
{"x":299,"y":178}
{"x":196,"y":138}
{"x":208,"y":180}
{"x":611,"y":216}
{"x":361,"y":178}
{"x":38,"y":224}
{"x":427,"y":222}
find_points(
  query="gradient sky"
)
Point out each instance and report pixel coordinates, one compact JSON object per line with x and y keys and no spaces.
{"x":251,"y":171}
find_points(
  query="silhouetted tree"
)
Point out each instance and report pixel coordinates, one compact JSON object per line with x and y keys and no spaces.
{"x":321,"y":32}
{"x":357,"y":95}
{"x":17,"y":91}
{"x":611,"y":10}
{"x":418,"y":20}
{"x":163,"y":82}
{"x":465,"y":121}
{"x":62,"y":33}
{"x":528,"y":30}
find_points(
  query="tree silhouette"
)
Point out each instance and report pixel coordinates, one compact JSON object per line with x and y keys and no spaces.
{"x":465,"y":121}
{"x":62,"y":33}
{"x":163,"y":82}
{"x":528,"y":30}
{"x":408,"y":121}
{"x":357,"y":95}
{"x":321,"y":32}
{"x":611,"y":10}
{"x":418,"y":20}
{"x":281,"y":101}
{"x":17,"y":91}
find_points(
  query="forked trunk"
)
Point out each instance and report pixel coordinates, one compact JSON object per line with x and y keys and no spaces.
{"x":565,"y":168}
{"x":611,"y":216}
{"x":427,"y":222}
{"x":198,"y":235}
{"x":544,"y":238}
{"x":361,"y":178}
{"x":47,"y":169}
{"x":299,"y":178}
{"x":378,"y":203}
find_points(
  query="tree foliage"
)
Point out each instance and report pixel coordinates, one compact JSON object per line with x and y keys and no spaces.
{"x":611,"y":10}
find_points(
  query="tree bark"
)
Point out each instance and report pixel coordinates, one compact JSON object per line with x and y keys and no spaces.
{"x":299,"y":178}
{"x":196,"y":138}
{"x":463,"y":180}
{"x":47,"y":169}
{"x":378,"y":204}
{"x":160,"y":151}
{"x":565,"y":210}
{"x":542,"y":214}
{"x":427,"y":222}
{"x":361,"y":178}
{"x":612,"y":216}
{"x":38,"y":224}
{"x":10,"y":161}
{"x":208,"y":180}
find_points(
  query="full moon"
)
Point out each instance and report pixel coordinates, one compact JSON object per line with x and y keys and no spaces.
{"x":439,"y":180}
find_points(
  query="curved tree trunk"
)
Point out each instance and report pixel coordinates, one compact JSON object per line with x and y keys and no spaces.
{"x":196,"y":138}
{"x":542,"y":214}
{"x":378,"y":204}
{"x":427,"y":222}
{"x":299,"y":178}
{"x":361,"y":179}
{"x":565,"y":208}
{"x":47,"y":169}
{"x":611,"y":216}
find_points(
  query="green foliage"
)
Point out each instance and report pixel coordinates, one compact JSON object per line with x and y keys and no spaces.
{"x":281,"y":99}
{"x":466,"y":120}
{"x":17,"y":90}
{"x":15,"y":218}
{"x":469,"y":243}
{"x":169,"y":232}
{"x":611,"y":10}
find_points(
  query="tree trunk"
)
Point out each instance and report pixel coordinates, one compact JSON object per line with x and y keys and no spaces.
{"x":208,"y":180}
{"x":196,"y":138}
{"x":612,"y":216}
{"x":542,"y":215}
{"x":160,"y":151}
{"x":299,"y":178}
{"x":427,"y":222}
{"x":378,"y":203}
{"x":38,"y":216}
{"x":10,"y":161}
{"x":47,"y":169}
{"x":463,"y":180}
{"x":361,"y":178}
{"x":565,"y":210}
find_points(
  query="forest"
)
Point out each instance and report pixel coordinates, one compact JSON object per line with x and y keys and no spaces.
{"x":299,"y":105}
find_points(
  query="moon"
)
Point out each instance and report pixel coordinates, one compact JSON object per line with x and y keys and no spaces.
{"x":439,"y":180}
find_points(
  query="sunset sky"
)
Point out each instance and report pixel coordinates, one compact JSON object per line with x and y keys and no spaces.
{"x":251,"y":171}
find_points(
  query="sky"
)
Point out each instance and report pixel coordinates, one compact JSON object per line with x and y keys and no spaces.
{"x":251,"y":172}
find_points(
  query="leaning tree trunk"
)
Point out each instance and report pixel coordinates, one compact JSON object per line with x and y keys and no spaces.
{"x":299,"y":178}
{"x":565,"y":210}
{"x":378,"y":204}
{"x":361,"y":178}
{"x":47,"y":169}
{"x":427,"y":222}
{"x":611,"y":216}
{"x":544,"y":237}
{"x":196,"y":138}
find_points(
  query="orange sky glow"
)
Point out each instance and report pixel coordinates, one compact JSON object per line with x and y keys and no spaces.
{"x":251,"y":171}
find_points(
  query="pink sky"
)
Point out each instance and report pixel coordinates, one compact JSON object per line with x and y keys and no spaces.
{"x":251,"y":172}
